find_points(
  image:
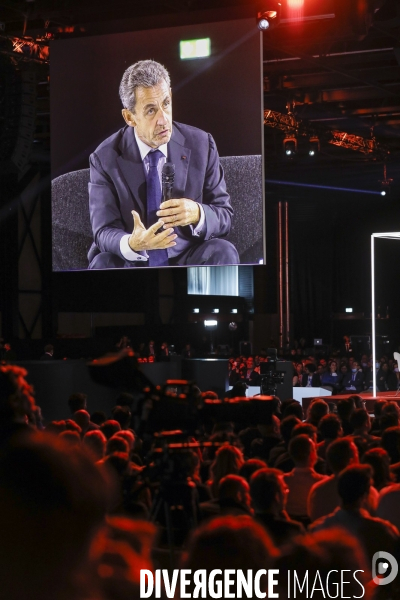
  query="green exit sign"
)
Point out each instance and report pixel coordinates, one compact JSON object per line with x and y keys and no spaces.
{"x":195,"y":48}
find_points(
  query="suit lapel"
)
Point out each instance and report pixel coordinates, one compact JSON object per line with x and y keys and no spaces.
{"x":131,"y":165}
{"x":180,"y":156}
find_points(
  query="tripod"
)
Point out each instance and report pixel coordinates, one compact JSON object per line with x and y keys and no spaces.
{"x":175,"y":506}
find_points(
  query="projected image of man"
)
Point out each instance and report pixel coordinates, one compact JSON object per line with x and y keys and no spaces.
{"x":157,"y":193}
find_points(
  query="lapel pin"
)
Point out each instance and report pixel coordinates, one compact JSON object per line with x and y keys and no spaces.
{"x":183,"y":157}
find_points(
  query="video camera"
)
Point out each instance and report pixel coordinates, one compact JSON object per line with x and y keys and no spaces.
{"x":178,"y":404}
{"x":270,"y":377}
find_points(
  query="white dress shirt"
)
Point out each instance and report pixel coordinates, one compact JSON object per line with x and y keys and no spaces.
{"x":144,"y":150}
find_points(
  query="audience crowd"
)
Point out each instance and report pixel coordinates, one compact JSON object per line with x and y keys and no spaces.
{"x":340,"y":372}
{"x":88,"y":501}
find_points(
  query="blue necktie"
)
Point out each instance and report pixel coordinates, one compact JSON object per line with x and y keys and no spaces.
{"x":157,"y":258}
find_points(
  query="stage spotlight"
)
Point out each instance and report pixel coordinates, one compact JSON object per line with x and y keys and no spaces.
{"x":270,"y":17}
{"x":313,"y":147}
{"x":210,"y":323}
{"x":290,"y":147}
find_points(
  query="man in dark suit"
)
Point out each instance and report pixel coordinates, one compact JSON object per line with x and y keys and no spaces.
{"x":310,"y":377}
{"x":131,"y":225}
{"x":353,"y":381}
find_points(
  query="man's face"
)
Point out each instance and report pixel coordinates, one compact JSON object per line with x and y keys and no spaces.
{"x":152,"y":116}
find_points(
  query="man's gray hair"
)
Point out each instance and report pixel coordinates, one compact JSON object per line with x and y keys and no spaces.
{"x":145,"y":73}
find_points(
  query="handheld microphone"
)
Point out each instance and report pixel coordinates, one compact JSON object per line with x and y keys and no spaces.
{"x":167,"y":179}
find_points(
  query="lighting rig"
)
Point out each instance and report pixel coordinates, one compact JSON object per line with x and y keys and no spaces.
{"x":26,"y":49}
{"x":296,"y":128}
{"x":269,"y":18}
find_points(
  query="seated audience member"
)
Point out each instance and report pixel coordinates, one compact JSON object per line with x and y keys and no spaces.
{"x":70,"y":425}
{"x":268,"y":493}
{"x":52,"y":501}
{"x":360,"y":422}
{"x":357,"y":401}
{"x":269,"y":437}
{"x":95,"y":441}
{"x":386,"y":379}
{"x":390,"y":442}
{"x":329,"y":554}
{"x":191,"y":464}
{"x":373,"y":533}
{"x":353,"y":381}
{"x":293,"y":407}
{"x":297,"y":374}
{"x":388,"y":505}
{"x":235,"y":373}
{"x":233,"y":499}
{"x":285,"y":462}
{"x":379,"y":460}
{"x":82,"y":418}
{"x":251,"y":466}
{"x":16,"y":403}
{"x":332,"y":379}
{"x":388,"y":419}
{"x":224,"y":436}
{"x":116,"y":444}
{"x":268,"y":432}
{"x":310,"y":377}
{"x":345,"y":409}
{"x":368,"y":376}
{"x":390,"y":408}
{"x":329,"y":429}
{"x":301,"y":479}
{"x":280,"y":452}
{"x":324,"y":497}
{"x":109,"y":428}
{"x":56,"y":427}
{"x":228,"y":461}
{"x":343,"y":370}
{"x":377,"y":410}
{"x":77,"y":401}
{"x":230,"y":543}
{"x":317,"y":409}
{"x":252,"y":377}
{"x":122,"y":415}
{"x":128,"y":436}
{"x":125,"y":549}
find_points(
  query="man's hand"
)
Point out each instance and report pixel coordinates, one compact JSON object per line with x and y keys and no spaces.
{"x":149,"y":239}
{"x":179,"y":212}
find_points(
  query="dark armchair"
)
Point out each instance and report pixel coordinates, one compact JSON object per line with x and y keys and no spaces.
{"x":72,"y":232}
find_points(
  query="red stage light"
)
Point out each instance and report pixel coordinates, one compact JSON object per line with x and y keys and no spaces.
{"x":295,"y":9}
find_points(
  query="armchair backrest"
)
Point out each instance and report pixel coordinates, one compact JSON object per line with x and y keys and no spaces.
{"x":72,"y":232}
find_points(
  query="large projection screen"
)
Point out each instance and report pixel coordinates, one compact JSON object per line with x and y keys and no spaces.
{"x":220,"y":94}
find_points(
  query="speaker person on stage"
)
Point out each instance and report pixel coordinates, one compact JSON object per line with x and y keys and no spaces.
{"x":138,"y":216}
